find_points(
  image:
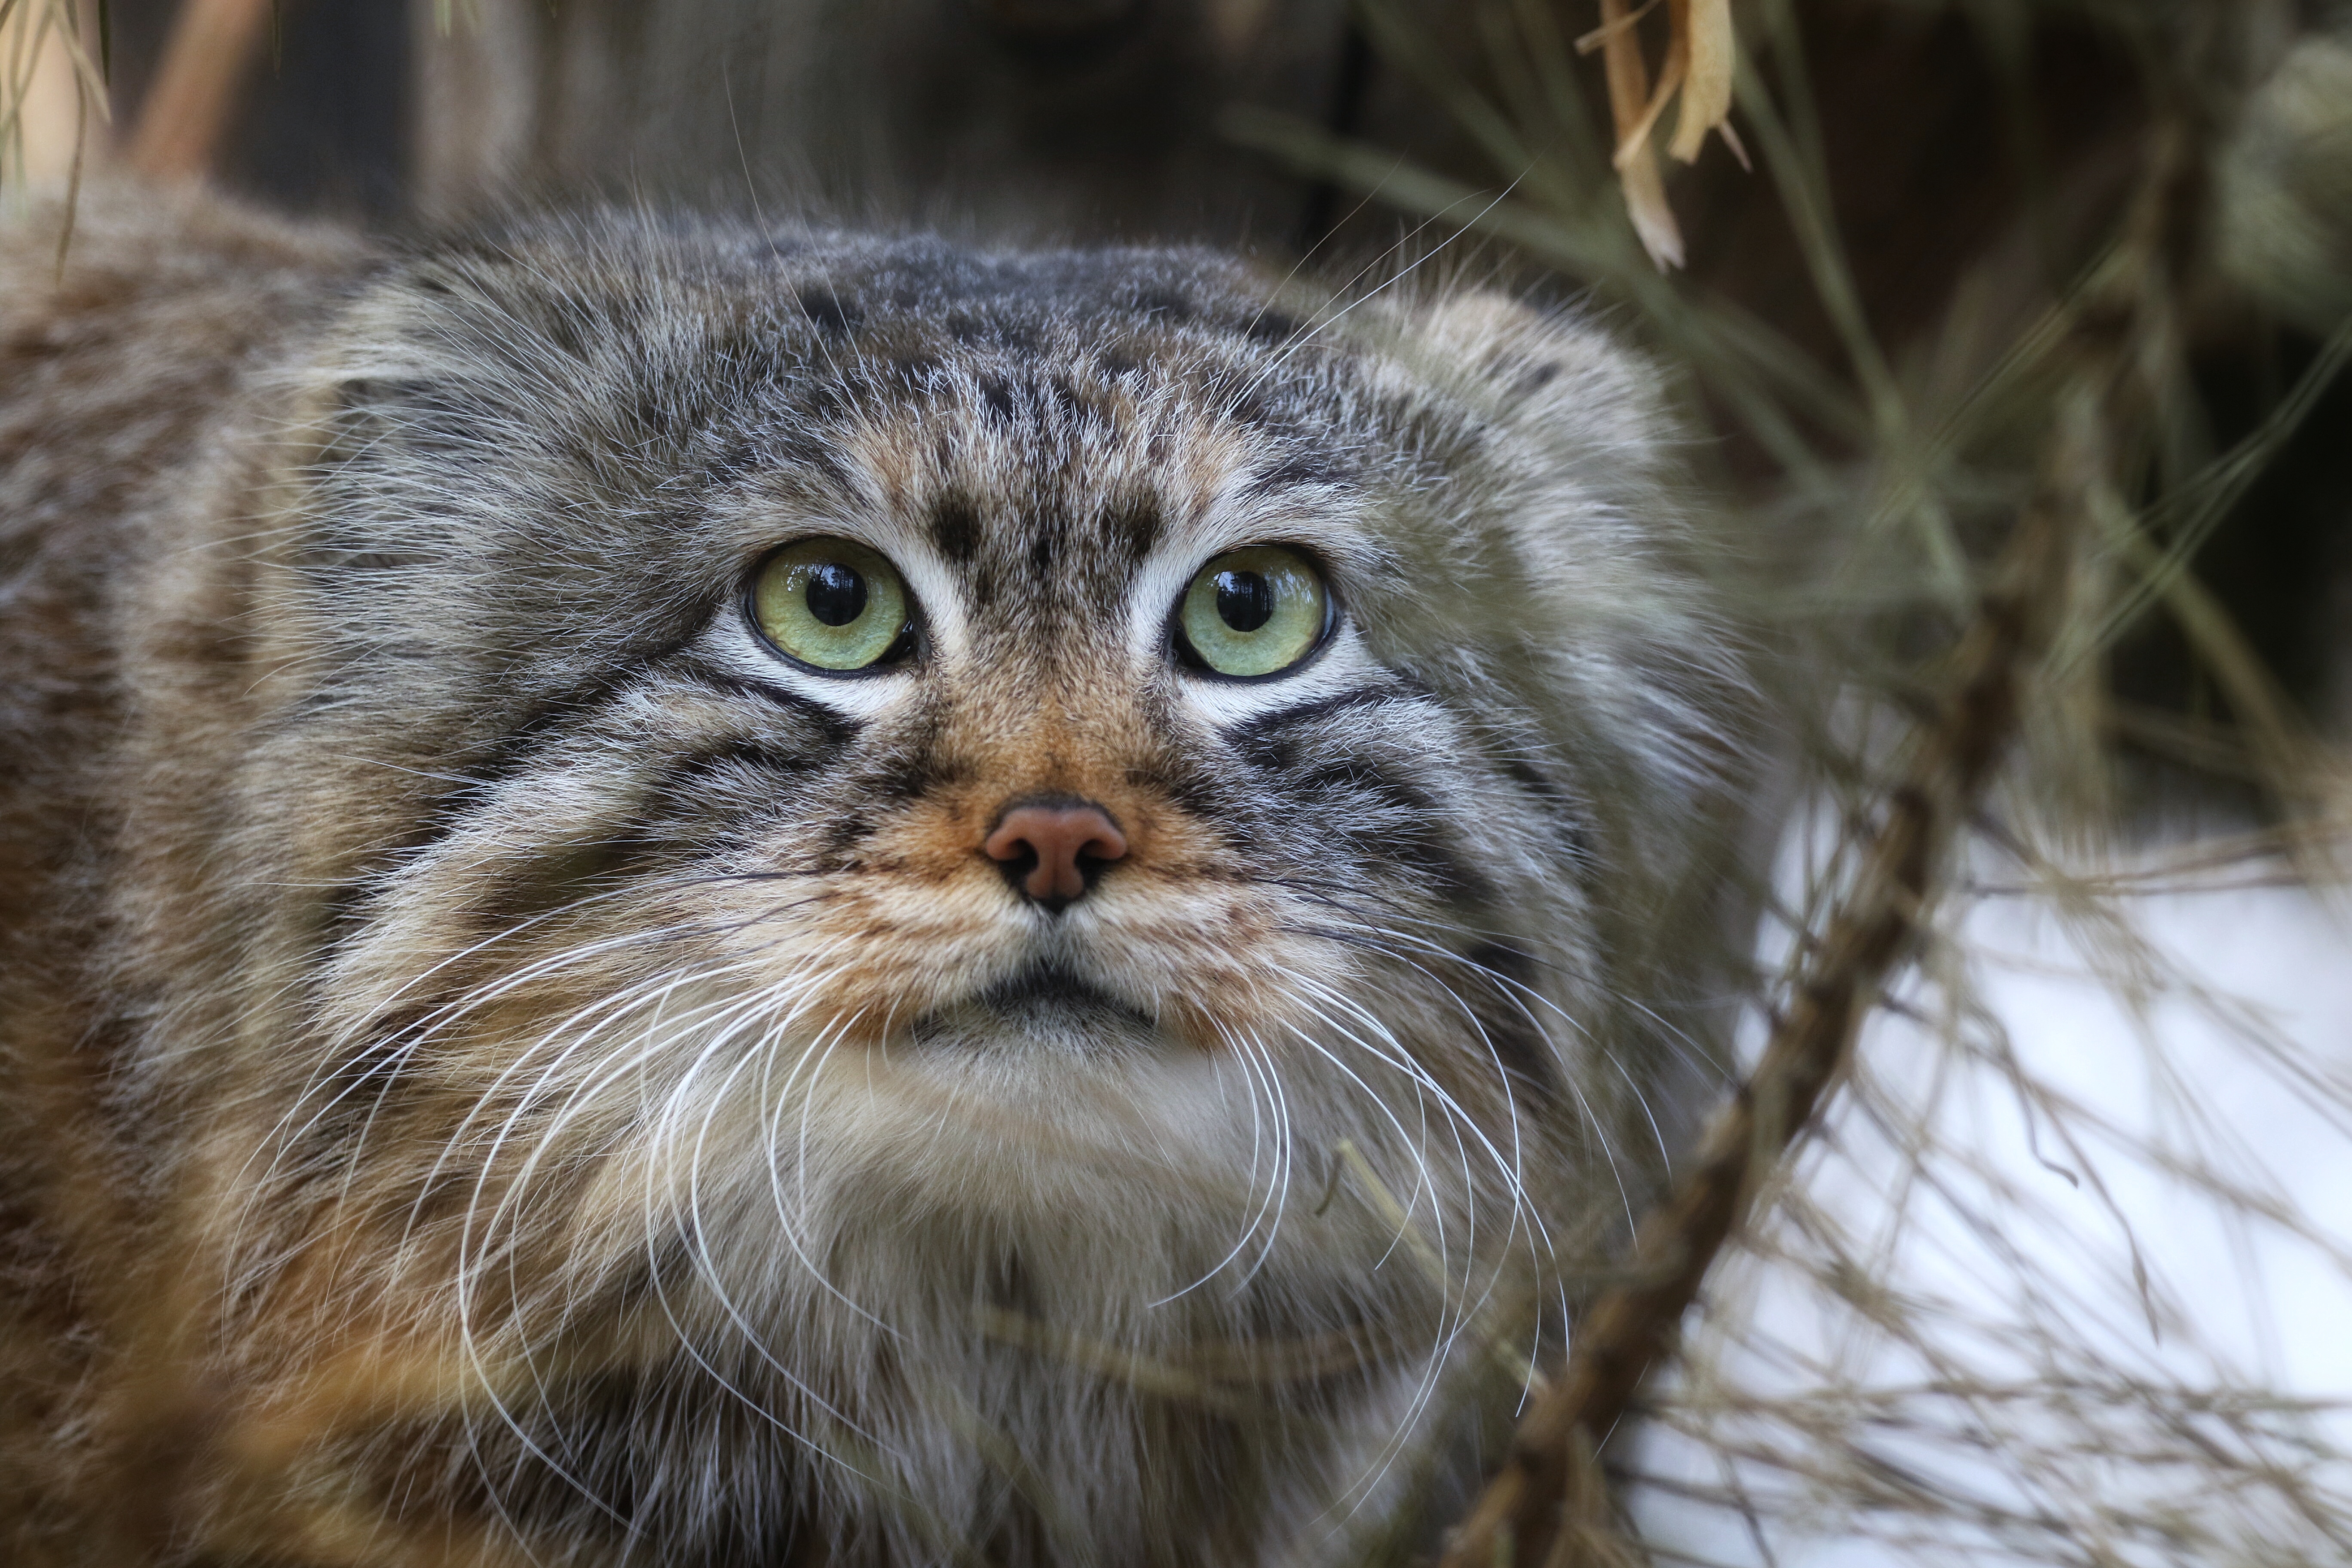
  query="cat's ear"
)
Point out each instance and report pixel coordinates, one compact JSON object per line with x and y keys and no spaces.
{"x":1546,"y":367}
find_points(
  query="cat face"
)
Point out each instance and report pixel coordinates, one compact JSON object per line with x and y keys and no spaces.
{"x":855,"y":788}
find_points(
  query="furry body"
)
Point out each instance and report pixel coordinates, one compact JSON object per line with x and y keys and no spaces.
{"x":502,"y":1067}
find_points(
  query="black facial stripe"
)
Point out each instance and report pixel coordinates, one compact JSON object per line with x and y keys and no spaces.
{"x":736,"y":756}
{"x":1386,"y":819}
{"x":908,"y":772}
{"x":998,"y":398}
{"x":663,"y":828}
{"x":1368,"y":785}
{"x":508,"y":758}
{"x":1560,"y":810}
{"x":1161,"y":303}
{"x":1259,"y":739}
{"x":914,"y":768}
{"x":357,"y":1092}
{"x":1271,"y":326}
{"x":696,"y":788}
{"x":1524,"y":773}
{"x":835,"y":729}
{"x":1295,"y":471}
{"x":527,"y":745}
{"x":1502,"y":1000}
{"x":1190,"y":789}
{"x":1421,"y":846}
{"x":833,"y":317}
{"x":842,"y":835}
{"x":558,"y":876}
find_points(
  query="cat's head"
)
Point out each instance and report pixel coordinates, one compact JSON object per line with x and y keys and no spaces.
{"x":831,"y":769}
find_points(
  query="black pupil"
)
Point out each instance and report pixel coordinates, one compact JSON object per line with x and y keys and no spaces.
{"x":837,"y":594}
{"x":1244,"y":600}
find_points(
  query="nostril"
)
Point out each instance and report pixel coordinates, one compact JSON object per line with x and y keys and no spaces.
{"x":1054,"y":851}
{"x":1019,"y":865}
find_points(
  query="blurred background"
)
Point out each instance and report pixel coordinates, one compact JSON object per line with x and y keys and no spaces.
{"x":2066,"y":1273}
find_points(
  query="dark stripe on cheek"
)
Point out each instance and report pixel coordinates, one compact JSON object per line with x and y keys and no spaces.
{"x":1270,"y":326}
{"x":833,"y":317}
{"x":1521,"y":772}
{"x":506,"y":758}
{"x":843,"y":834}
{"x":1297,"y":471}
{"x":1188,"y":789}
{"x":738,"y":780}
{"x":558,"y":876}
{"x":362,"y":1091}
{"x":1383,"y":819}
{"x":832,"y":729}
{"x":1263,"y":740}
{"x":338,"y":912}
{"x":1183,"y":773}
{"x":689,"y":808}
{"x":1388,"y":821}
{"x":739,"y":757}
{"x":1560,"y":810}
{"x":1502,"y":1000}
{"x":997,"y":397}
{"x":528,"y":744}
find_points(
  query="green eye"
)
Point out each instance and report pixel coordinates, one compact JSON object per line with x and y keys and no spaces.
{"x":1254,"y":611}
{"x":831,"y":603}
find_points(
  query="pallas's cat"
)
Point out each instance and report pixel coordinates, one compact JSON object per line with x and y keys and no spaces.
{"x":685,"y":895}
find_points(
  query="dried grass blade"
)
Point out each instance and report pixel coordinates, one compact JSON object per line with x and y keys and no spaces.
{"x":1634,"y":137}
{"x":1703,"y":30}
{"x":1632,"y":114}
{"x":1588,"y":42}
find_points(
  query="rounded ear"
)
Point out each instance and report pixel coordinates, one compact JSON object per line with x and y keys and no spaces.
{"x":1537,"y":366}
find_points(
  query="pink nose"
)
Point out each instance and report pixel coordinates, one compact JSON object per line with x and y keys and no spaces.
{"x":1051,"y":851}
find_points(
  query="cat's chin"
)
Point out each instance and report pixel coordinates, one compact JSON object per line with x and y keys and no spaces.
{"x":1043,"y":1088}
{"x":1046,"y":1007}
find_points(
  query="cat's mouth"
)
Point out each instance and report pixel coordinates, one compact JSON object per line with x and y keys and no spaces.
{"x":1044,"y":1000}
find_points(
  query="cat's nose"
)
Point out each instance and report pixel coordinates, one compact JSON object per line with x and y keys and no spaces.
{"x":1053,"y":850}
